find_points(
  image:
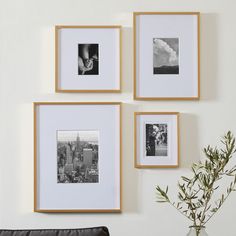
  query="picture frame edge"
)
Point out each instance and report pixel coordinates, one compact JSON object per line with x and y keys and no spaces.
{"x":57,"y":28}
{"x":116,"y":210}
{"x":87,"y":91}
{"x":134,"y":55}
{"x":89,"y":26}
{"x":197,"y":98}
{"x":137,"y":13}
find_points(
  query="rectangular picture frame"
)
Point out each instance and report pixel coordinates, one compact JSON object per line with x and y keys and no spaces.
{"x":156,"y":140}
{"x":78,"y":174}
{"x":82,"y":58}
{"x":166,"y":55}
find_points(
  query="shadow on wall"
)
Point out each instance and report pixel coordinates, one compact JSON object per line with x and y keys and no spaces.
{"x":130,"y":176}
{"x":189,"y":147}
{"x":127,"y":60}
{"x":209,"y":56}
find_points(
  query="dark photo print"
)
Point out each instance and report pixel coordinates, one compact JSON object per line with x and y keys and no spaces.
{"x":77,"y":157}
{"x":166,"y":56}
{"x":156,"y":140}
{"x":88,"y":59}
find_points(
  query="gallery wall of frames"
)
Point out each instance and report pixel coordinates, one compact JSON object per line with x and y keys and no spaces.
{"x":86,"y":152}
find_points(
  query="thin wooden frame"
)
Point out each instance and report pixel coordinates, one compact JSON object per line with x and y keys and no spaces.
{"x":136,"y":165}
{"x":57,"y":87}
{"x":135,"y":96}
{"x":36,"y":209}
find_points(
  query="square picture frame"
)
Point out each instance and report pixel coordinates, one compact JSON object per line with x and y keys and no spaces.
{"x":83,"y":61}
{"x":156,"y":139}
{"x":166,"y":55}
{"x":77,"y":160}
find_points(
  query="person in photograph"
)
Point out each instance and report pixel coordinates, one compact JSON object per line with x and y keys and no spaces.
{"x":88,"y":59}
{"x":156,"y":140}
{"x":151,"y":147}
{"x":161,"y":137}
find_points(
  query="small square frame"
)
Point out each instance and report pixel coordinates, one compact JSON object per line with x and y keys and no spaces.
{"x":111,"y":79}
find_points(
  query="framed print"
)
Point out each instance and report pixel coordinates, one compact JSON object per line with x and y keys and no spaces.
{"x":156,"y":139}
{"x":166,"y":55}
{"x":77,"y":157}
{"x":88,"y":58}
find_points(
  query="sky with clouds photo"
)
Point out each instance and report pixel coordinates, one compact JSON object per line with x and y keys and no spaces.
{"x":165,"y":52}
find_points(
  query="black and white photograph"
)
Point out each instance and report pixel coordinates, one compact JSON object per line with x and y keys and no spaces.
{"x":77,"y":157}
{"x":88,"y":59}
{"x":156,"y":140}
{"x":166,"y":56}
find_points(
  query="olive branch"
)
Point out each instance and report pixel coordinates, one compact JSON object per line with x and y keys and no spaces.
{"x":196,"y":193}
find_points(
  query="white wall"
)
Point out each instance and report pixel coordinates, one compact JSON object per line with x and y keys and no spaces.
{"x":27,"y":75}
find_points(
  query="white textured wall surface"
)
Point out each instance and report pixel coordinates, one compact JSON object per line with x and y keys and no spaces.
{"x":27,"y":75}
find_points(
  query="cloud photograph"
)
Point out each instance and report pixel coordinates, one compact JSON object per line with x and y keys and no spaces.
{"x":165,"y":56}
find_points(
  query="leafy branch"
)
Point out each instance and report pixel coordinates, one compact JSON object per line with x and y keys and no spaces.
{"x":195,"y":194}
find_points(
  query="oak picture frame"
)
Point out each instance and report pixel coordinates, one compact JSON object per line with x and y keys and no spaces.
{"x":58,"y":87}
{"x":136,"y":96}
{"x":137,"y":163}
{"x":36,"y":208}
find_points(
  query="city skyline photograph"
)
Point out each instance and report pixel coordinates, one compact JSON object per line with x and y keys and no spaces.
{"x":77,"y":156}
{"x":71,"y":135}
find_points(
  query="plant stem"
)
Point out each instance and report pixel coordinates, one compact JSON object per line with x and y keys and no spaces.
{"x":233,"y":186}
{"x":172,"y":204}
